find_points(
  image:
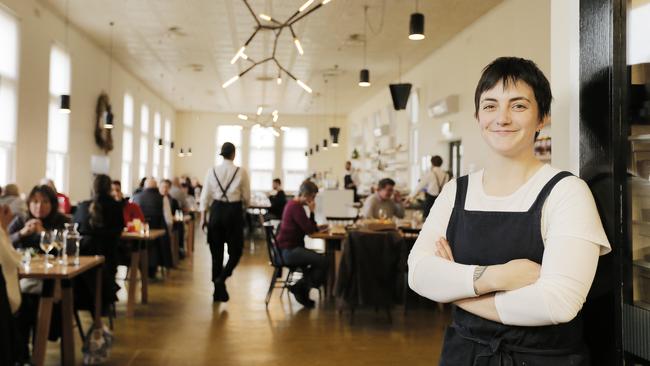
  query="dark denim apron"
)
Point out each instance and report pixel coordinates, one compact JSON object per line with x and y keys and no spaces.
{"x":489,"y":238}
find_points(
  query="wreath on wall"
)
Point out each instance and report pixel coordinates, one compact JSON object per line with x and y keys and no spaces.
{"x":103,"y":137}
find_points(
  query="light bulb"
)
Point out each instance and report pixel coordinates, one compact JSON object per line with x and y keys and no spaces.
{"x":304,"y":86}
{"x":265,"y":17}
{"x":242,"y":117}
{"x":259,"y":110}
{"x":305,"y":5}
{"x":230,"y":81}
{"x":298,"y":46}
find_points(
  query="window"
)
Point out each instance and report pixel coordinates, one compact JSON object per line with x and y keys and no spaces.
{"x":167,"y":150}
{"x":155,"y":152}
{"x":8,"y":95}
{"x":262,"y":158}
{"x":127,"y":144}
{"x":294,"y":161}
{"x":58,"y":123}
{"x":144,"y":141}
{"x":232,"y":134}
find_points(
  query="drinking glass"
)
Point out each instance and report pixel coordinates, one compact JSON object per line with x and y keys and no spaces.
{"x":383,"y":215}
{"x":46,"y":246}
{"x":57,"y":242}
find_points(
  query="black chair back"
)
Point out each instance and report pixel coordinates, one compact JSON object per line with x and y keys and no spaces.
{"x":275,"y":256}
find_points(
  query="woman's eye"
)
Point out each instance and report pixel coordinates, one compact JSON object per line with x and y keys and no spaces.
{"x":519,"y":107}
{"x":488,"y":107}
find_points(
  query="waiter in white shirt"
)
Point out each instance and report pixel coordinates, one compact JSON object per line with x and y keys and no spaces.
{"x":226,"y":192}
{"x":433,"y":180}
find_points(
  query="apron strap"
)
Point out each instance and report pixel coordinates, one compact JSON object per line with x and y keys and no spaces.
{"x":225,"y":190}
{"x":546,"y":190}
{"x":461,"y":192}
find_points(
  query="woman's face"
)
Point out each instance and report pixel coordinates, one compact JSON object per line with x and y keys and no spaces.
{"x":40,"y":206}
{"x":509,"y":118}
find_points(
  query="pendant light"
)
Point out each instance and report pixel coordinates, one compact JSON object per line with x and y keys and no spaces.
{"x":108,"y":116}
{"x":334,"y":135}
{"x":364,"y":74}
{"x":416,"y":25}
{"x":325,"y":144}
{"x":64,"y":107}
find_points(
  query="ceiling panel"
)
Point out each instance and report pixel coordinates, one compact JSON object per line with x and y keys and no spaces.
{"x":182,"y":48}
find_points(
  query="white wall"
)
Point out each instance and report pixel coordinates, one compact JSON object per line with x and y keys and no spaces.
{"x":39,"y":30}
{"x":514,"y":28}
{"x":198,"y":131}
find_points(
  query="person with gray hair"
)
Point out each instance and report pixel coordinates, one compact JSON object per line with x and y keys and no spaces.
{"x":11,"y":197}
{"x":295,"y":225}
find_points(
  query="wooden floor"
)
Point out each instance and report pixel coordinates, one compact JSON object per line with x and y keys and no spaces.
{"x":181,"y":325}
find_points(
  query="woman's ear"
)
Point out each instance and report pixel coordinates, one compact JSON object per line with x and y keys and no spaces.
{"x":546,"y":120}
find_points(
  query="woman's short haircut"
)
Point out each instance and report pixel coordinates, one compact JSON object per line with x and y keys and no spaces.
{"x":511,"y":70}
{"x":385,"y":182}
{"x":308,"y":188}
{"x":436,"y":160}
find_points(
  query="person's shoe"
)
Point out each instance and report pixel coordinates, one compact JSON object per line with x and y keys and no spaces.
{"x":301,"y":293}
{"x":220,"y":293}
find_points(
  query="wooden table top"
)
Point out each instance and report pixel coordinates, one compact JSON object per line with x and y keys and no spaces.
{"x":153,"y":235}
{"x":327,"y":235}
{"x":37,"y":268}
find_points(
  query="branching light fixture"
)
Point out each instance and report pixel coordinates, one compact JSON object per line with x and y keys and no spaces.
{"x":263,"y":121}
{"x":276,"y":27}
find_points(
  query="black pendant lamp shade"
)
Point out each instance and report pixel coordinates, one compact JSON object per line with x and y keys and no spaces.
{"x":171,"y":145}
{"x":364,"y":78}
{"x":189,"y":151}
{"x":334,"y":135}
{"x":306,"y":154}
{"x":311,"y":151}
{"x":325,"y":144}
{"x":108,"y":120}
{"x":416,"y":27}
{"x":316,"y":147}
{"x":65,"y":104}
{"x":160,"y":143}
{"x":400,"y":95}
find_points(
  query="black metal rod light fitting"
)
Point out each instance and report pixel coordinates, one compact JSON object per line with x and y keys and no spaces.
{"x":65,"y":104}
{"x":334,"y":135}
{"x":364,"y":78}
{"x":416,"y":25}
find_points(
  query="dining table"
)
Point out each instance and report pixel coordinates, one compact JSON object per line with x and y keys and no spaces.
{"x":138,"y":242}
{"x":58,"y":286}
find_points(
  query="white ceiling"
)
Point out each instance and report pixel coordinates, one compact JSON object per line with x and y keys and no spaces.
{"x":211,"y":31}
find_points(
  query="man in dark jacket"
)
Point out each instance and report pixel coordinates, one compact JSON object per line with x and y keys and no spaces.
{"x":157,"y":213}
{"x":278,"y":200}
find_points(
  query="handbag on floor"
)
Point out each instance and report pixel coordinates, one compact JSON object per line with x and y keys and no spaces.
{"x":97,"y":345}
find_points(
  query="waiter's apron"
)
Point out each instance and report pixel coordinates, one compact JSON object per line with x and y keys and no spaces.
{"x":489,"y":238}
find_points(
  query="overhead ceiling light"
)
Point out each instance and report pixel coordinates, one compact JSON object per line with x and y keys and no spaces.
{"x":230,"y":81}
{"x":277,"y":28}
{"x":239,"y":54}
{"x":305,"y":5}
{"x":325,"y":144}
{"x":304,"y":86}
{"x":275,"y":132}
{"x":364,"y":74}
{"x":171,"y":145}
{"x":285,"y":128}
{"x":65,"y":104}
{"x":334,"y":135}
{"x":257,"y":125}
{"x":316,"y":147}
{"x":259,"y":110}
{"x":296,"y":41}
{"x":242,"y":117}
{"x":325,"y":2}
{"x":416,"y":25}
{"x":108,"y":119}
{"x":275,"y":118}
{"x":189,"y":151}
{"x":364,"y":78}
{"x":181,"y":153}
{"x":160,"y":143}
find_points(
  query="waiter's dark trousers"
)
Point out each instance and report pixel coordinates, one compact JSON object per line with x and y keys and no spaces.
{"x":226,"y":225}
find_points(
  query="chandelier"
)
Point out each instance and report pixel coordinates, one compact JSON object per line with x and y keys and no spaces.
{"x":276,"y":26}
{"x":268,"y":123}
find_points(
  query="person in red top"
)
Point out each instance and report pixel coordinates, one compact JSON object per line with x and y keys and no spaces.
{"x":293,"y":228}
{"x":64,"y":201}
{"x":130,"y":210}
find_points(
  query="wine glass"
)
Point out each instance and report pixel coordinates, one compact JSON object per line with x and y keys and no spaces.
{"x":46,"y":246}
{"x":383,"y":215}
{"x":57,"y":241}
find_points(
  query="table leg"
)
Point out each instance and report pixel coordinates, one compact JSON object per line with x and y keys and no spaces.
{"x":144,"y":271}
{"x":67,"y":337}
{"x":43,"y":322}
{"x":133,"y":279}
{"x":98,"y":298}
{"x":190,"y":239}
{"x":175,"y":247}
{"x":331,"y":268}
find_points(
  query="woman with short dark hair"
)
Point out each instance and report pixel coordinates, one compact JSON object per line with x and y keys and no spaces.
{"x":514,"y":246}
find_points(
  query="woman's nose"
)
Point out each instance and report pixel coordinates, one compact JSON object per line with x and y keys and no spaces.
{"x":503,"y":118}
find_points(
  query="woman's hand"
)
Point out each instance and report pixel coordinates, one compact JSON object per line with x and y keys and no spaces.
{"x":443,"y":250}
{"x":31,"y":226}
{"x":312,"y":205}
{"x":5,"y":216}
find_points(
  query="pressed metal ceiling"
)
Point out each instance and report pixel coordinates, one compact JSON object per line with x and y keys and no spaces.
{"x":182,"y":48}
